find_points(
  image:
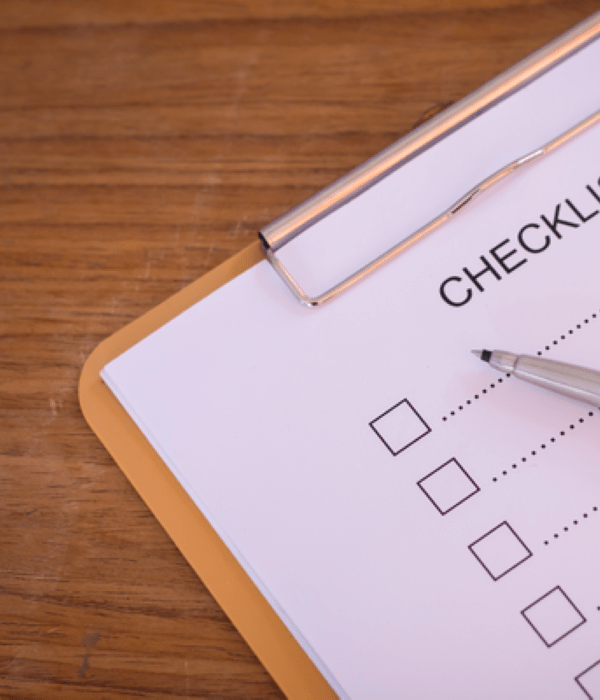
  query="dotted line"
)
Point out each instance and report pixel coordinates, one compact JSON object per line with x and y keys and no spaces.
{"x":547,"y":348}
{"x":578,"y":327}
{"x":565,"y":529}
{"x":475,"y":397}
{"x":543,"y":446}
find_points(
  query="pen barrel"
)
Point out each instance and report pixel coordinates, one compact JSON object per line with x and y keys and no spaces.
{"x":569,"y":380}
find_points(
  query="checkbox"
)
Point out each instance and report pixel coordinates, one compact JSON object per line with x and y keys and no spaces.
{"x":589,"y":681}
{"x":448,"y":486}
{"x":400,"y":427}
{"x":500,"y":550}
{"x":553,"y":616}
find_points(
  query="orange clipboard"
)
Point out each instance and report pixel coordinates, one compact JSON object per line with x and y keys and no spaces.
{"x":226,"y":580}
{"x":231,"y":587}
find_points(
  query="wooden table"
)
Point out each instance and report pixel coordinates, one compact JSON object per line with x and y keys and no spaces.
{"x":141,"y":144}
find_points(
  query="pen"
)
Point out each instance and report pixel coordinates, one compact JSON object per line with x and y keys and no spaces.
{"x":569,"y":380}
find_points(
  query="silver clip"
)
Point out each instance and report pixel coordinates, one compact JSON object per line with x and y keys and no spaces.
{"x":435,"y":223}
{"x":287,"y":227}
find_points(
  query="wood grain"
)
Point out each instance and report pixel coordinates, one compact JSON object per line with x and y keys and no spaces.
{"x":141,"y":144}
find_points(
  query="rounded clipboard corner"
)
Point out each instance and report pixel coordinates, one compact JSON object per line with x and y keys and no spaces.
{"x":137,"y":330}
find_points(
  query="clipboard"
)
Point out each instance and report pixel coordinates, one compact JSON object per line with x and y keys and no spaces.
{"x":266,"y":634}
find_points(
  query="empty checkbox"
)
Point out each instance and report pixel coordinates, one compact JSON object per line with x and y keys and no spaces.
{"x":400,"y":427}
{"x":448,"y":486}
{"x":500,"y":550}
{"x":553,"y":616}
{"x":589,"y":681}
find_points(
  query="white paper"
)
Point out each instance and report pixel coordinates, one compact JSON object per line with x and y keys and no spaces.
{"x":424,"y":525}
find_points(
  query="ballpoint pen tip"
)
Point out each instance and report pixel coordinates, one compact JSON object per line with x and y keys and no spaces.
{"x":484,"y":355}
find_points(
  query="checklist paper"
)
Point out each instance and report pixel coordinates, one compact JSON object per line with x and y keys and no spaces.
{"x":425,"y":526}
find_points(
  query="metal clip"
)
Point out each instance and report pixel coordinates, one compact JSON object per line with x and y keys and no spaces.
{"x":284,"y":229}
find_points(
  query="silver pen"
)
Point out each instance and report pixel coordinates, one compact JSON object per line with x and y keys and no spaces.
{"x":569,"y":380}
